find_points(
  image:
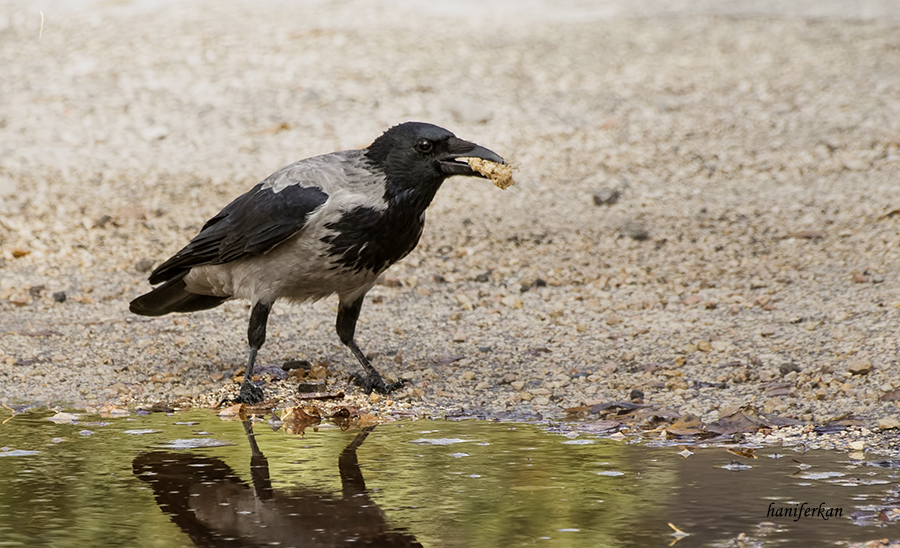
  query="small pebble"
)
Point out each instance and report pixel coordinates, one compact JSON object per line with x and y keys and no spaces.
{"x":860,"y":367}
{"x":144,"y":265}
{"x":635,"y":230}
{"x":508,"y":379}
{"x":606,"y":196}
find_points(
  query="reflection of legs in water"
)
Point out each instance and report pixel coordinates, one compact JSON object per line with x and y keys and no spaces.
{"x":259,"y":466}
{"x":210,"y":502}
{"x":352,"y":479}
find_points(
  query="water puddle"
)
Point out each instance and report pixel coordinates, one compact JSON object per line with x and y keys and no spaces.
{"x":192,"y":479}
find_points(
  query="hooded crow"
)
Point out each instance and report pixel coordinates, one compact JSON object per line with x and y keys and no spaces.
{"x":327,"y":224}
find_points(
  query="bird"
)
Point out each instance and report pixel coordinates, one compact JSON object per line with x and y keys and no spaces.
{"x":329,"y":224}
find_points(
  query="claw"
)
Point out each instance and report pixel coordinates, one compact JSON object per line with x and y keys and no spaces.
{"x":374,"y":383}
{"x":250,"y":394}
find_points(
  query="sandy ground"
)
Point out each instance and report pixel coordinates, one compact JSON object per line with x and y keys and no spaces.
{"x":751,"y":258}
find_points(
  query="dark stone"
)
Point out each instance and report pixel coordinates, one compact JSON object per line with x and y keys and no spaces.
{"x":296,"y":364}
{"x":786,"y":368}
{"x":311,"y":386}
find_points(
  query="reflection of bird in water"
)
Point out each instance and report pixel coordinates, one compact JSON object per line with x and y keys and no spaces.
{"x":210,"y":503}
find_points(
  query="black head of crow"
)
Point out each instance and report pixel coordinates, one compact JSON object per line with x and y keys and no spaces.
{"x":327,"y":224}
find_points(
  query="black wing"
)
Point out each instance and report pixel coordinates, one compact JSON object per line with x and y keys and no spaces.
{"x":252,"y":224}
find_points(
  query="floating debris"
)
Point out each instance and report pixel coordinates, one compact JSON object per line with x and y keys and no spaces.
{"x":678,"y":532}
{"x":7,"y":452}
{"x":820,"y":475}
{"x":438,"y":441}
{"x":195,"y":443}
{"x":65,"y":418}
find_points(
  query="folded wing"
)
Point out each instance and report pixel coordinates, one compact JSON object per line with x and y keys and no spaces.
{"x":252,"y":224}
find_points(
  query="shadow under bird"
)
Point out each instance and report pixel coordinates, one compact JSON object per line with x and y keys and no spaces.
{"x":324,"y":225}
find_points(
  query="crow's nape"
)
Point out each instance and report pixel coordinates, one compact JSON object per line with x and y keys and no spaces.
{"x":173,"y":296}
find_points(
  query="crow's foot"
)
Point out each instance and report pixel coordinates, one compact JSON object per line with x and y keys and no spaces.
{"x":374,"y":383}
{"x":250,"y":394}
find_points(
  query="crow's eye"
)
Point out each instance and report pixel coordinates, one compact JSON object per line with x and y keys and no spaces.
{"x":424,"y":146}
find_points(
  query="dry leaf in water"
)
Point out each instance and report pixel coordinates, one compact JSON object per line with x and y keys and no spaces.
{"x":688,"y":425}
{"x":237,"y":411}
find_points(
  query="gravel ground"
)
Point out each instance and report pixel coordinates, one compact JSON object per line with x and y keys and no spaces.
{"x":750,"y":258}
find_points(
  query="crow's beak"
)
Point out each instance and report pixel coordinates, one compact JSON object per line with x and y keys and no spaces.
{"x":453,"y":161}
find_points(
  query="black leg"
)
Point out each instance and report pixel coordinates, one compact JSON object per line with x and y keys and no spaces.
{"x":256,"y":335}
{"x":346,"y":328}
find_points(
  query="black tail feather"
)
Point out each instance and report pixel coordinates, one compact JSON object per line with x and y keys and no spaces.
{"x":173,"y":296}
